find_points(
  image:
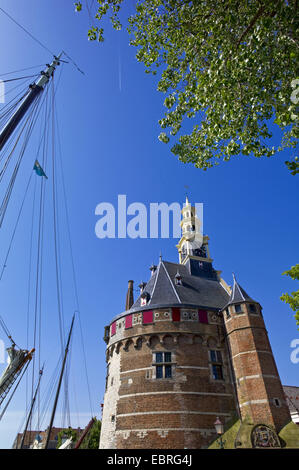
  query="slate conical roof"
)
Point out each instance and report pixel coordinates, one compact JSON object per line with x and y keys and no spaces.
{"x":238,"y":294}
{"x":194,"y":291}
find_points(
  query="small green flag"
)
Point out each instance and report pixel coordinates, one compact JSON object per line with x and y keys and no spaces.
{"x":38,"y":169}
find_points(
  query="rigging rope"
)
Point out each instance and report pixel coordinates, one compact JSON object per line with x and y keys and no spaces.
{"x":73,"y":62}
{"x":38,"y":283}
{"x":57,"y":252}
{"x":32,"y":120}
{"x":15,"y":228}
{"x":9,"y":111}
{"x":29,"y":282}
{"x":5,"y":201}
{"x":19,"y":78}
{"x":13,"y":392}
{"x":26,"y":31}
{"x":6,"y":331}
{"x":21,"y":70}
{"x":55,"y":223}
{"x":48,"y":132}
{"x":6,"y":93}
{"x":73,"y":265}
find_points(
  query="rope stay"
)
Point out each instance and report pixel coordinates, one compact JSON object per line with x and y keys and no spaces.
{"x":6,"y":331}
{"x":49,"y":153}
{"x":26,"y":31}
{"x":67,"y":220}
{"x":13,"y":392}
{"x":31,"y":120}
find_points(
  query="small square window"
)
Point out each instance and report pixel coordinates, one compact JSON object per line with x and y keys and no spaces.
{"x":238,"y":308}
{"x":252,"y":308}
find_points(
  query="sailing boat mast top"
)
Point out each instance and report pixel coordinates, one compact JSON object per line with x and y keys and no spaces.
{"x":34,"y":90}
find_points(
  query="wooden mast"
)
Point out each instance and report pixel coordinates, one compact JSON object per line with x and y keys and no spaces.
{"x":59,"y":385}
{"x":34,"y":91}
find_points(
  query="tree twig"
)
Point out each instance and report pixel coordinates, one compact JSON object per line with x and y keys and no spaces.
{"x":251,"y":24}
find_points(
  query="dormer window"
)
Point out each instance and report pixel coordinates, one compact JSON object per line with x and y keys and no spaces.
{"x":142,"y":286}
{"x":178,"y":279}
{"x":144,"y":298}
{"x":153,"y":269}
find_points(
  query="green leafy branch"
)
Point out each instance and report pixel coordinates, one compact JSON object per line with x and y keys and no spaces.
{"x":293,"y":298}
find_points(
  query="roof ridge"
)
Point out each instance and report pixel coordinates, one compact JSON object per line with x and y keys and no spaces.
{"x":177,"y":295}
{"x":170,"y":262}
{"x":154,"y":286}
{"x":240,"y":291}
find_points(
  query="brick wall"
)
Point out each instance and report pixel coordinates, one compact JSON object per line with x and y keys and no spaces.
{"x":260,"y":393}
{"x":176,"y":412}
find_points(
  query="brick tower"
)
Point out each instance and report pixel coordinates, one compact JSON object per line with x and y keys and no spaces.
{"x":260,"y":393}
{"x":188,"y":351}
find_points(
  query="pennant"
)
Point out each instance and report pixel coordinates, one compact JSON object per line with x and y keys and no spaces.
{"x":38,"y":169}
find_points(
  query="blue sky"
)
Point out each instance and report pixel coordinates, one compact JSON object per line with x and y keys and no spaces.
{"x":109,"y":131}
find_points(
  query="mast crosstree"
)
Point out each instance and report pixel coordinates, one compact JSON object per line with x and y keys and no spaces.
{"x":34,"y":90}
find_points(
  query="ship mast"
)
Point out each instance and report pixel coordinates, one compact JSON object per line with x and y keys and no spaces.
{"x":59,"y":385}
{"x":34,"y":90}
{"x":31,"y":408}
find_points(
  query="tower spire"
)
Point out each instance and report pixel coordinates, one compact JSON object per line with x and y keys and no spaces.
{"x":238,"y":294}
{"x":192,"y":242}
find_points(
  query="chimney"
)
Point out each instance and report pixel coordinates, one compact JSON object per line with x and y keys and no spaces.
{"x":130,"y":295}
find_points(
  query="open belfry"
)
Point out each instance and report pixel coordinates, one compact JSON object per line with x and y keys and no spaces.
{"x":189,"y":351}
